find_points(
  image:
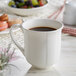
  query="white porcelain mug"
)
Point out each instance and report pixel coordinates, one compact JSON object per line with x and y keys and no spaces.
{"x":41,"y":49}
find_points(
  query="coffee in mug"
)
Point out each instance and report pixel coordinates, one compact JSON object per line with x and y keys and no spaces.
{"x":42,"y":29}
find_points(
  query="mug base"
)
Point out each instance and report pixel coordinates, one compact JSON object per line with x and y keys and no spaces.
{"x":35,"y":69}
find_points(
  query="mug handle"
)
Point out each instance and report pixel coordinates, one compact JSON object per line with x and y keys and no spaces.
{"x":16,"y":43}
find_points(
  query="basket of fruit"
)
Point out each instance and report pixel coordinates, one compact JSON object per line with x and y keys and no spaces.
{"x":26,"y":7}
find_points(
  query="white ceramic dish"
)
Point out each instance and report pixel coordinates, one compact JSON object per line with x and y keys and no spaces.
{"x":7,"y":30}
{"x":25,"y":12}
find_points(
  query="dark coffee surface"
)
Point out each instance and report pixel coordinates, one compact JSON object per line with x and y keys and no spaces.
{"x":42,"y":29}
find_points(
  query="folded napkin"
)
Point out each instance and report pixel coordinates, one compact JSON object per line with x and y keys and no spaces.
{"x":17,"y":66}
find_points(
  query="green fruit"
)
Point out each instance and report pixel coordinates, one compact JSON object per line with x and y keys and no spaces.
{"x":29,"y":7}
{"x":25,"y":0}
{"x":35,"y":2}
{"x":21,"y":4}
{"x":11,"y":3}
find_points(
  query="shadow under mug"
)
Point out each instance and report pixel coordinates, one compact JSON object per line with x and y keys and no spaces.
{"x":41,"y":48}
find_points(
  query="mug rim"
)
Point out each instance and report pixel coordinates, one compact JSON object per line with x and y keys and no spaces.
{"x":62,"y":25}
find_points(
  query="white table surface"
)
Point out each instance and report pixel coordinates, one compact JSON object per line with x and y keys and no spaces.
{"x":67,"y":64}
